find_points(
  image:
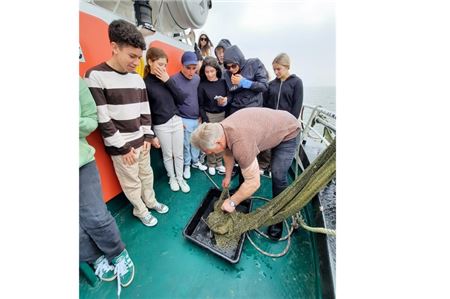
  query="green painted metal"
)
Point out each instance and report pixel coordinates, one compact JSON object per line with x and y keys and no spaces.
{"x":89,"y":274}
{"x":169,"y":266}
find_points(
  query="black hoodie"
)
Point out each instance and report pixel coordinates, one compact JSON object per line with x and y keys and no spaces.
{"x":285,"y":95}
{"x":251,"y":69}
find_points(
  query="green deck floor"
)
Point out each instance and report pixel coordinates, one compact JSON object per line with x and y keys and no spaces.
{"x":169,"y":266}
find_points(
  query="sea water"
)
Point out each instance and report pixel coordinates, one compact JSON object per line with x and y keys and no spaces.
{"x":324,"y":96}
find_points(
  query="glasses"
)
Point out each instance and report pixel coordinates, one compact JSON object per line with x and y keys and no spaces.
{"x":203,"y":38}
{"x":231,"y":66}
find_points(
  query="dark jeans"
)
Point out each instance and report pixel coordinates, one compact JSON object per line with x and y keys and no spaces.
{"x":282,"y":156}
{"x":99,"y":233}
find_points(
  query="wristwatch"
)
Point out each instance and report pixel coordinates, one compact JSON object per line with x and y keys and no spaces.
{"x":232,"y":203}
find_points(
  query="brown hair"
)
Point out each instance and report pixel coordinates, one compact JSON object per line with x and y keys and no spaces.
{"x":152,"y":55}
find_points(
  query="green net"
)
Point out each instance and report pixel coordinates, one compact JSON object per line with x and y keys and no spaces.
{"x":228,"y":227}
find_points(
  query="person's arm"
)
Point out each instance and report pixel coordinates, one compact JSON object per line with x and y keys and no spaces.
{"x":110,"y":133}
{"x":202,"y":100}
{"x":259,"y":83}
{"x":229,"y":164}
{"x":88,"y":111}
{"x":248,"y":187}
{"x":146,"y":124}
{"x":297,"y":98}
{"x":266,"y":98}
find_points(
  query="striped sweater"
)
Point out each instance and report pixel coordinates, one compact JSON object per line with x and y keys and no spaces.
{"x":122,"y":107}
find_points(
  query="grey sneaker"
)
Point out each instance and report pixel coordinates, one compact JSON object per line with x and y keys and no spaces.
{"x":161,"y":208}
{"x":149,"y":220}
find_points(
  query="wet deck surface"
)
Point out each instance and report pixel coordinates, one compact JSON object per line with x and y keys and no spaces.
{"x":170,"y":266}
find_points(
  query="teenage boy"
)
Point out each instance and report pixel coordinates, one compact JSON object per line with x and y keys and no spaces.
{"x":124,"y":118}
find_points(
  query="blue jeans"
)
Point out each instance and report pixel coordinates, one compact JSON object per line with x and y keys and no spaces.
{"x":190,"y":152}
{"x":282,"y":156}
{"x":99,"y":233}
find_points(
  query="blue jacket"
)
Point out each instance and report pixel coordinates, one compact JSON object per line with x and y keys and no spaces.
{"x":251,"y":69}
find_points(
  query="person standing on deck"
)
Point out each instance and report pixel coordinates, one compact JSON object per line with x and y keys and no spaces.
{"x":124,"y":118}
{"x":100,"y":241}
{"x":212,"y":100}
{"x":246,"y":79}
{"x":285,"y":92}
{"x":241,"y":136}
{"x":188,"y":81}
{"x":164,"y":96}
{"x":205,"y":45}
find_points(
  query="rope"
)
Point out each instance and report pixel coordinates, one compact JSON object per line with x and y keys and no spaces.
{"x":297,"y":221}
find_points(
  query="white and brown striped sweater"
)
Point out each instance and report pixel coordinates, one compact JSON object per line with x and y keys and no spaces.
{"x":122,"y":106}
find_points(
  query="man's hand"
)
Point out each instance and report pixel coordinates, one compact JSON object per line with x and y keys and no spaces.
{"x":155,"y":142}
{"x":226,"y":206}
{"x":130,"y":158}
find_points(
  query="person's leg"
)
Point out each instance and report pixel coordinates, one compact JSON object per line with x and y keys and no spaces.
{"x":128,"y":176}
{"x":195,"y":152}
{"x":186,"y":142}
{"x":164,"y":134}
{"x":146,"y":177}
{"x":88,"y":250}
{"x":96,"y":223}
{"x":282,"y":156}
{"x":215,"y":160}
{"x":177,"y":135}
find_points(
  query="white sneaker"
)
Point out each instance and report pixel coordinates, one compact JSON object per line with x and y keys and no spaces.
{"x":202,"y":157}
{"x":161,"y":208}
{"x":174,"y":184}
{"x":187,"y":172}
{"x":184,"y":186}
{"x":149,"y":220}
{"x":211,"y":171}
{"x":221,"y":169}
{"x":199,"y":166}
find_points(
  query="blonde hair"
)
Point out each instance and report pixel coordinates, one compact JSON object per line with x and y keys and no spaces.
{"x":206,"y":135}
{"x":282,"y":59}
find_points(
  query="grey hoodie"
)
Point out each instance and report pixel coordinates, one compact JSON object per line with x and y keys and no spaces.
{"x":252,"y":69}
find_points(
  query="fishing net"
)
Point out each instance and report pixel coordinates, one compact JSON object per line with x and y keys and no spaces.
{"x":228,"y":227}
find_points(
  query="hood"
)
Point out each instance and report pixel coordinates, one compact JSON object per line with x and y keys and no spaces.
{"x":233,"y":55}
{"x":223,"y":43}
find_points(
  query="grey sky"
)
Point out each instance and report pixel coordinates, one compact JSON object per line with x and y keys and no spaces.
{"x":304,"y":29}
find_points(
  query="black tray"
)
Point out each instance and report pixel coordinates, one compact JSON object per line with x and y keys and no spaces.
{"x":198,"y":232}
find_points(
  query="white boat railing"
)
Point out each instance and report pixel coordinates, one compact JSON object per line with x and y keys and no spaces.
{"x":319,"y":115}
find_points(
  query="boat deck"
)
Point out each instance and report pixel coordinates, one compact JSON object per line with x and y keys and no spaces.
{"x":170,"y":266}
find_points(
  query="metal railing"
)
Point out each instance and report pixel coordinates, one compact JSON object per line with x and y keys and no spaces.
{"x":319,"y":115}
